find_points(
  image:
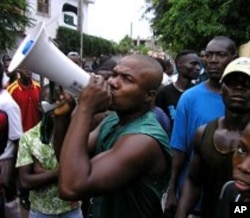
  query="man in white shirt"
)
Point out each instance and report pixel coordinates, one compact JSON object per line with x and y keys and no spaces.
{"x":8,"y":156}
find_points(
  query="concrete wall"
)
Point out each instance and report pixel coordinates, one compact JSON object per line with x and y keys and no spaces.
{"x":55,"y":17}
{"x":244,"y":50}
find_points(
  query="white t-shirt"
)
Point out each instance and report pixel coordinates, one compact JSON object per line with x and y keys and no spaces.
{"x":8,"y":105}
{"x":166,"y":80}
{"x":5,"y":80}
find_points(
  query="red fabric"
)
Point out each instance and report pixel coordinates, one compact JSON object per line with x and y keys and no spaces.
{"x":28,"y":100}
{"x":4,"y":129}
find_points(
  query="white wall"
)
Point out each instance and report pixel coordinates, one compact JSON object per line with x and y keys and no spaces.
{"x":56,"y":16}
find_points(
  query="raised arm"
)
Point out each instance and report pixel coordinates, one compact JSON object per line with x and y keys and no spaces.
{"x":129,"y":158}
{"x":62,"y":120}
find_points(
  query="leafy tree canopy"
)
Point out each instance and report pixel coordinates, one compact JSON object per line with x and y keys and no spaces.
{"x":125,"y":44}
{"x":13,"y":20}
{"x":190,"y":24}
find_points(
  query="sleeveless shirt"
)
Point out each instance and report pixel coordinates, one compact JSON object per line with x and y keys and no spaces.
{"x":139,"y":199}
{"x":216,"y":170}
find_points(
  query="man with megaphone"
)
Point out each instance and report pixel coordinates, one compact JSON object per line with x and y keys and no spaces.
{"x":122,"y":163}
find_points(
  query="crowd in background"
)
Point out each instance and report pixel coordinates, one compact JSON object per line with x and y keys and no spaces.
{"x":196,"y":106}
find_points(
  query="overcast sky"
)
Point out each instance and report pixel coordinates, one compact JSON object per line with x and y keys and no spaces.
{"x":112,"y":19}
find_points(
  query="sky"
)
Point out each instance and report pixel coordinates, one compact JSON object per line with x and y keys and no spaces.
{"x":112,"y":19}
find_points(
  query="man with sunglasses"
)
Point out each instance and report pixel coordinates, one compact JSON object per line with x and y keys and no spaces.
{"x":215,"y":143}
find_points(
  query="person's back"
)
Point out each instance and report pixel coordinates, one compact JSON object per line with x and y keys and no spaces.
{"x":163,"y":119}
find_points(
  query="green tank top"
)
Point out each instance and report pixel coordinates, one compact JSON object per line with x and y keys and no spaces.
{"x":140,"y":199}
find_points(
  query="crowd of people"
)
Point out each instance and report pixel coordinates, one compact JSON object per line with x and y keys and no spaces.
{"x":138,"y":141}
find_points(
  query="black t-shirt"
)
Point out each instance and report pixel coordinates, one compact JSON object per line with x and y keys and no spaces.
{"x":167,"y":99}
{"x":228,"y":195}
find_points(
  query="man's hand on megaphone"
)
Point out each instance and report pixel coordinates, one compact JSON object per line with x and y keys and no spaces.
{"x":95,"y":97}
{"x":66,"y":104}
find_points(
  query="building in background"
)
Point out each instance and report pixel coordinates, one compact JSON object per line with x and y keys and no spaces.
{"x":57,"y":13}
{"x":244,"y":50}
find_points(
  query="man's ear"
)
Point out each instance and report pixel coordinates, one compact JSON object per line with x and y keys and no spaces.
{"x":178,"y":64}
{"x":150,"y":96}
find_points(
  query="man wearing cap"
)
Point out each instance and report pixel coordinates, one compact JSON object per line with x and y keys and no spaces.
{"x":215,"y":143}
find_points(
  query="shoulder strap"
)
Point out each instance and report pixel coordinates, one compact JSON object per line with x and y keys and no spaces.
{"x":229,"y":191}
{"x":209,"y":129}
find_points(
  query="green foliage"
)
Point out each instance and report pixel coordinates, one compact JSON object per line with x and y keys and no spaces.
{"x":125,"y":45}
{"x":69,"y":40}
{"x":142,"y":49}
{"x":13,"y":20}
{"x":190,"y":24}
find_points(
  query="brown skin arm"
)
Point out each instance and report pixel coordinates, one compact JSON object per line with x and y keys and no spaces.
{"x":192,"y":186}
{"x":62,"y":116}
{"x":131,"y":157}
{"x":178,"y":162}
{"x":32,"y":180}
{"x":61,"y":124}
{"x":60,"y":129}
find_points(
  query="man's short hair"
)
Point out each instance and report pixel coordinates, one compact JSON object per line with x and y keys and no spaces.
{"x":232,"y":48}
{"x":6,"y":57}
{"x":183,"y":53}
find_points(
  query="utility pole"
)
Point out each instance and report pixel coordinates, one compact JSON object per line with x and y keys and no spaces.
{"x":79,"y":24}
{"x":131,"y":30}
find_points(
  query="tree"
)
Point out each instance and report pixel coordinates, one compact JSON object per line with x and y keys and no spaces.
{"x":190,"y":24}
{"x":13,"y":20}
{"x":125,"y":45}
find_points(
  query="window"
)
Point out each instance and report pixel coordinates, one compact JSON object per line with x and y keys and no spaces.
{"x":68,"y":19}
{"x":43,"y":6}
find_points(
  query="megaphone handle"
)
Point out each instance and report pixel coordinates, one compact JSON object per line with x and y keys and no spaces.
{"x":52,"y":92}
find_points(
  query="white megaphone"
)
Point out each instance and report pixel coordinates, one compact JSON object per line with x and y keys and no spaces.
{"x":39,"y":54}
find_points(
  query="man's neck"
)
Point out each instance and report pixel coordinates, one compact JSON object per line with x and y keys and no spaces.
{"x":213,"y":85}
{"x":129,"y":117}
{"x":236,"y":121}
{"x":26,"y":82}
{"x":182,"y":83}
